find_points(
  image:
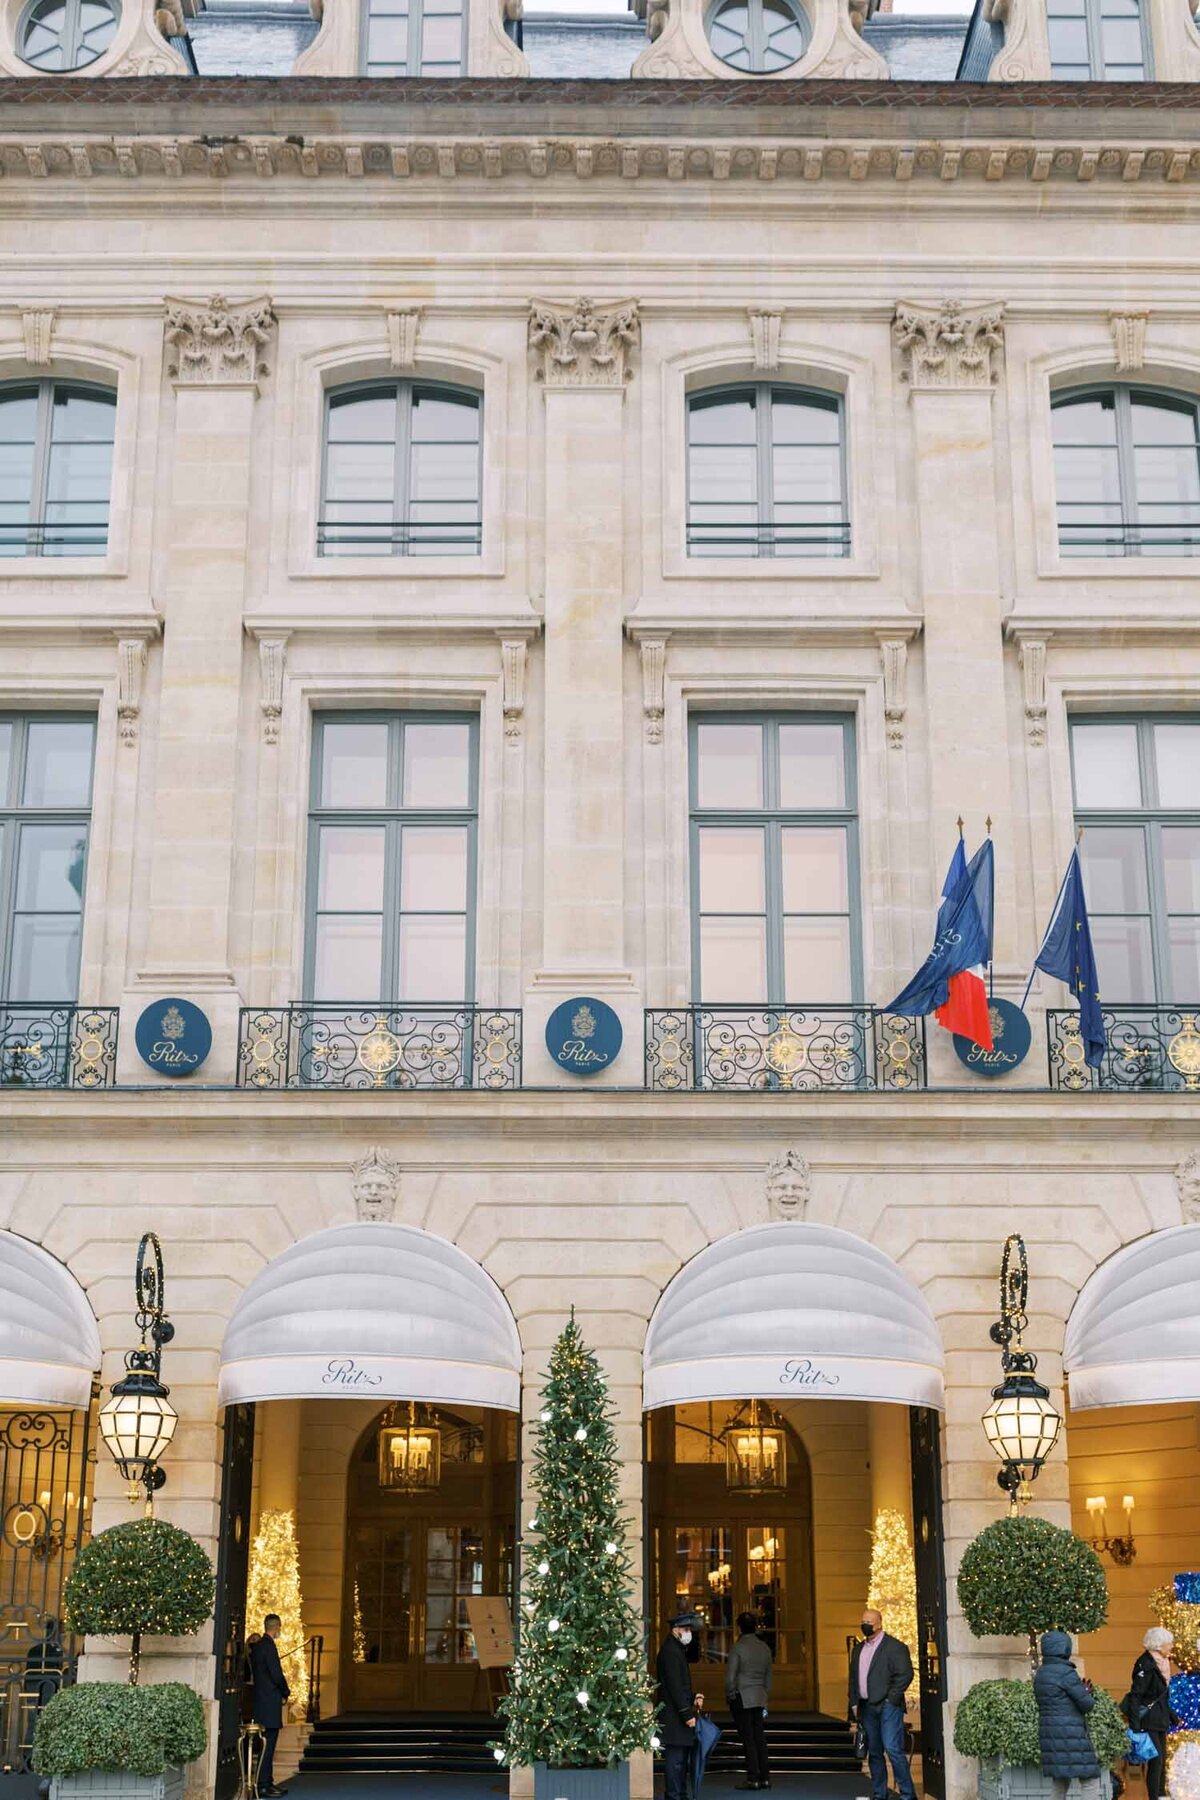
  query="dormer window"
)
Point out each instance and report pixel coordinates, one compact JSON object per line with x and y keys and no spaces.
{"x":413,"y":37}
{"x":59,"y":35}
{"x":1097,"y":40}
{"x":758,"y":36}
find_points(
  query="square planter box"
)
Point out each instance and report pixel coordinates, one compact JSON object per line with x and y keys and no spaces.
{"x":107,"y":1784}
{"x":581,"y":1784}
{"x":1026,"y":1782}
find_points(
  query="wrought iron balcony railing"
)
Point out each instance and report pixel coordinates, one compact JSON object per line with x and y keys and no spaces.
{"x":1151,"y":1049}
{"x":1178,"y":535}
{"x":58,"y":1046}
{"x":382,"y":1046}
{"x":818,"y":537}
{"x":793,"y":1049}
{"x":399,"y":537}
{"x":54,"y":537}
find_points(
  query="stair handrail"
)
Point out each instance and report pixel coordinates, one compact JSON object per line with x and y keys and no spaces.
{"x":316,"y":1649}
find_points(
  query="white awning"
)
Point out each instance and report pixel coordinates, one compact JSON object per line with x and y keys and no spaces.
{"x":792,"y":1310}
{"x":49,"y":1339}
{"x":373,"y":1312}
{"x":1133,"y":1338}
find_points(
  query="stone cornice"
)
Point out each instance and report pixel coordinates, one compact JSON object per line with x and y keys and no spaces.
{"x":54,"y":155}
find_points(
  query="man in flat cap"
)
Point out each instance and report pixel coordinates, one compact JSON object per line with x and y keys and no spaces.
{"x":679,"y":1704}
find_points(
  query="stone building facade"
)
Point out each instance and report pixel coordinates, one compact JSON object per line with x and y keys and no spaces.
{"x":926,"y":273}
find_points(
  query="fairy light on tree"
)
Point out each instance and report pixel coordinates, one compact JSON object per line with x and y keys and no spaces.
{"x":893,"y":1585}
{"x":273,"y":1586}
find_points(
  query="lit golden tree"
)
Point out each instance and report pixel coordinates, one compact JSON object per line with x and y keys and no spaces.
{"x":893,"y":1585}
{"x":274,"y":1587}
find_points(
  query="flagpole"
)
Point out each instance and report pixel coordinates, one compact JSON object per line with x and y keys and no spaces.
{"x":991,"y":962}
{"x":1053,"y":915}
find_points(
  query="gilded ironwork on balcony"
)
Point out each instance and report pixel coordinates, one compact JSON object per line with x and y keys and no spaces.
{"x":1151,"y":1049}
{"x":379,"y":1047}
{"x":791,"y":1049}
{"x":58,"y":1046}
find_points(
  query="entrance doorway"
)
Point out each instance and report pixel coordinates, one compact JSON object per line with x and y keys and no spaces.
{"x":416,"y":1554}
{"x":720,"y":1550}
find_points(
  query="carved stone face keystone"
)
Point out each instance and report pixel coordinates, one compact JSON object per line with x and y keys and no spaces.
{"x":376,"y":1180}
{"x":789,"y":1185}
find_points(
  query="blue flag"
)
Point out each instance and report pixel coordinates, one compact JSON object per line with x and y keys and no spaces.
{"x":962,"y":936}
{"x":1067,"y":954}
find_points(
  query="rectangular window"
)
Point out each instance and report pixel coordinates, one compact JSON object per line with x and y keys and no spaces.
{"x":1137,"y":795}
{"x":774,"y":860}
{"x":1096,"y":40}
{"x":392,"y":840}
{"x":413,"y":37}
{"x":45,"y":811}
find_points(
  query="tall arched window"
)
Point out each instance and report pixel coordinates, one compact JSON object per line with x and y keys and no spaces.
{"x":56,"y":441}
{"x":766,"y":473}
{"x":402,"y":471}
{"x":66,"y":34}
{"x":759,"y":36}
{"x":413,"y":37}
{"x":1097,"y":40}
{"x":1127,"y":469}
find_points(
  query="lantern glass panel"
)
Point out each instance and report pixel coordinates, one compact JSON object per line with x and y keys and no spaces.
{"x":1021,"y":1426}
{"x":410,"y":1457}
{"x":756,"y":1453}
{"x":137,"y":1428}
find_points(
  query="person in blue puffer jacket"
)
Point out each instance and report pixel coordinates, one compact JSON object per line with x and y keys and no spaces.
{"x":1063,"y":1703}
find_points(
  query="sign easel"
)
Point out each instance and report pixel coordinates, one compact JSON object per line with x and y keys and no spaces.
{"x":492,"y":1629}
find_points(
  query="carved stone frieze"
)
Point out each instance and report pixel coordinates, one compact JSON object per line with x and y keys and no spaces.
{"x":215,"y":344}
{"x":950,"y":346}
{"x":789,"y":1185}
{"x":1129,"y":340}
{"x":375,"y":1183}
{"x":584,"y":346}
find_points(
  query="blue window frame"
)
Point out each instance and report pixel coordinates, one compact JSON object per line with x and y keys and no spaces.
{"x":774,"y":859}
{"x":392,"y":858}
{"x":1137,"y":796}
{"x":45,"y":813}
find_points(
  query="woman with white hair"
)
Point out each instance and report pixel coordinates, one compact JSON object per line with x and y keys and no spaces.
{"x":1149,"y":1703}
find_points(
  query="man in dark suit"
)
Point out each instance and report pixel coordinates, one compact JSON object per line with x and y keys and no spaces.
{"x":881,"y":1673}
{"x":679,"y":1705}
{"x":270,"y":1692}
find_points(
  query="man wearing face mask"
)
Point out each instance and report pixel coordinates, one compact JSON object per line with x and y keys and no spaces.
{"x":881,"y":1673}
{"x":679,"y":1705}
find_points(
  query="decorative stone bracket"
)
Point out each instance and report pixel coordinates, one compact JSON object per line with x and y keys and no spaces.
{"x":893,"y":653}
{"x":131,"y":669}
{"x":584,"y":346}
{"x":513,"y":658}
{"x":949,"y":346}
{"x":654,"y":681}
{"x":37,"y":328}
{"x":765,"y":329}
{"x":1129,"y":340}
{"x":272,"y":656}
{"x":1032,"y":653}
{"x":402,"y":328}
{"x":218,"y":345}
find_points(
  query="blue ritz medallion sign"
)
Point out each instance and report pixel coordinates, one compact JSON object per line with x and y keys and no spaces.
{"x":583,"y":1036}
{"x":173,"y":1037}
{"x":1011,"y":1038}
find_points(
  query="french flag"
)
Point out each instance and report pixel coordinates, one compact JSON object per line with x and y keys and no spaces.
{"x":951,"y":981}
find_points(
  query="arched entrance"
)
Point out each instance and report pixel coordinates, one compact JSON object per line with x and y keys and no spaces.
{"x":792,"y":1381}
{"x":415,"y":1556}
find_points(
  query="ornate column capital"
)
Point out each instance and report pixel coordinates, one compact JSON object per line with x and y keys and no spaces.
{"x":581,"y":346}
{"x":214,"y":344}
{"x":949,"y":346}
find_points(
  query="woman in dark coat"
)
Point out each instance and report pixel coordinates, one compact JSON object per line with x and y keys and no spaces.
{"x":1150,"y":1703}
{"x":1063,"y":1703}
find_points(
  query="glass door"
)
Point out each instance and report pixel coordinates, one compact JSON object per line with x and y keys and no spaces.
{"x":454,"y":1570}
{"x":383,"y":1613}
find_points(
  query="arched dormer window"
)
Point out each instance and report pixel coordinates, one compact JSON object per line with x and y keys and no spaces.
{"x":1127,"y":469}
{"x":766,"y":472}
{"x":1097,"y":40}
{"x":413,"y":37}
{"x":60,"y":35}
{"x":56,"y":442}
{"x":758,"y":36}
{"x":402,"y":473}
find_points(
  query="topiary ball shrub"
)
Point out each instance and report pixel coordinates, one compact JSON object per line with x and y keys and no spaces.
{"x":1026,"y":1576}
{"x":998,"y":1721}
{"x":131,"y":1730}
{"x":146,"y":1576}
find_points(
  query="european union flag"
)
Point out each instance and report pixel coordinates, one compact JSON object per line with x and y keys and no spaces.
{"x":1067,"y":953}
{"x":962,"y":936}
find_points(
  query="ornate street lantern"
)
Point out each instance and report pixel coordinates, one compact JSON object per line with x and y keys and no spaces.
{"x":138,"y":1422}
{"x":410,"y":1455}
{"x":1021,"y":1424}
{"x":755,"y":1450}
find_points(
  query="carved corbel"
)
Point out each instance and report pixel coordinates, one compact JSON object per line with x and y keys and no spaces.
{"x":765,"y":328}
{"x":513,"y":658}
{"x":584,"y":345}
{"x":893,"y":653}
{"x":654,"y":684}
{"x":218,"y":345}
{"x":1033,"y":678}
{"x":949,"y":346}
{"x":131,"y":668}
{"x":402,"y":328}
{"x":1129,"y":340}
{"x":272,"y":656}
{"x":37,"y":328}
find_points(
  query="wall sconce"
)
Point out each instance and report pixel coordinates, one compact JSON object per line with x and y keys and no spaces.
{"x":1121,"y":1549}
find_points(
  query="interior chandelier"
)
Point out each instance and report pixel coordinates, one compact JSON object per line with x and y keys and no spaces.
{"x":410,"y":1454}
{"x":755,"y":1450}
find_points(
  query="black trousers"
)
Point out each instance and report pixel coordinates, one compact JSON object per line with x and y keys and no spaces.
{"x":266,"y":1768}
{"x":677,"y":1767}
{"x":1156,"y":1768}
{"x":752,"y":1729}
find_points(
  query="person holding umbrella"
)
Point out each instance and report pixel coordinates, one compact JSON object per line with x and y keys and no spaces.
{"x":680,"y":1704}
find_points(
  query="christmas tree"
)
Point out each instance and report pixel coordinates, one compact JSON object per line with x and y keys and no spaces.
{"x":1178,"y":1608}
{"x":893,"y":1585}
{"x":579,"y":1696}
{"x":274,"y":1587}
